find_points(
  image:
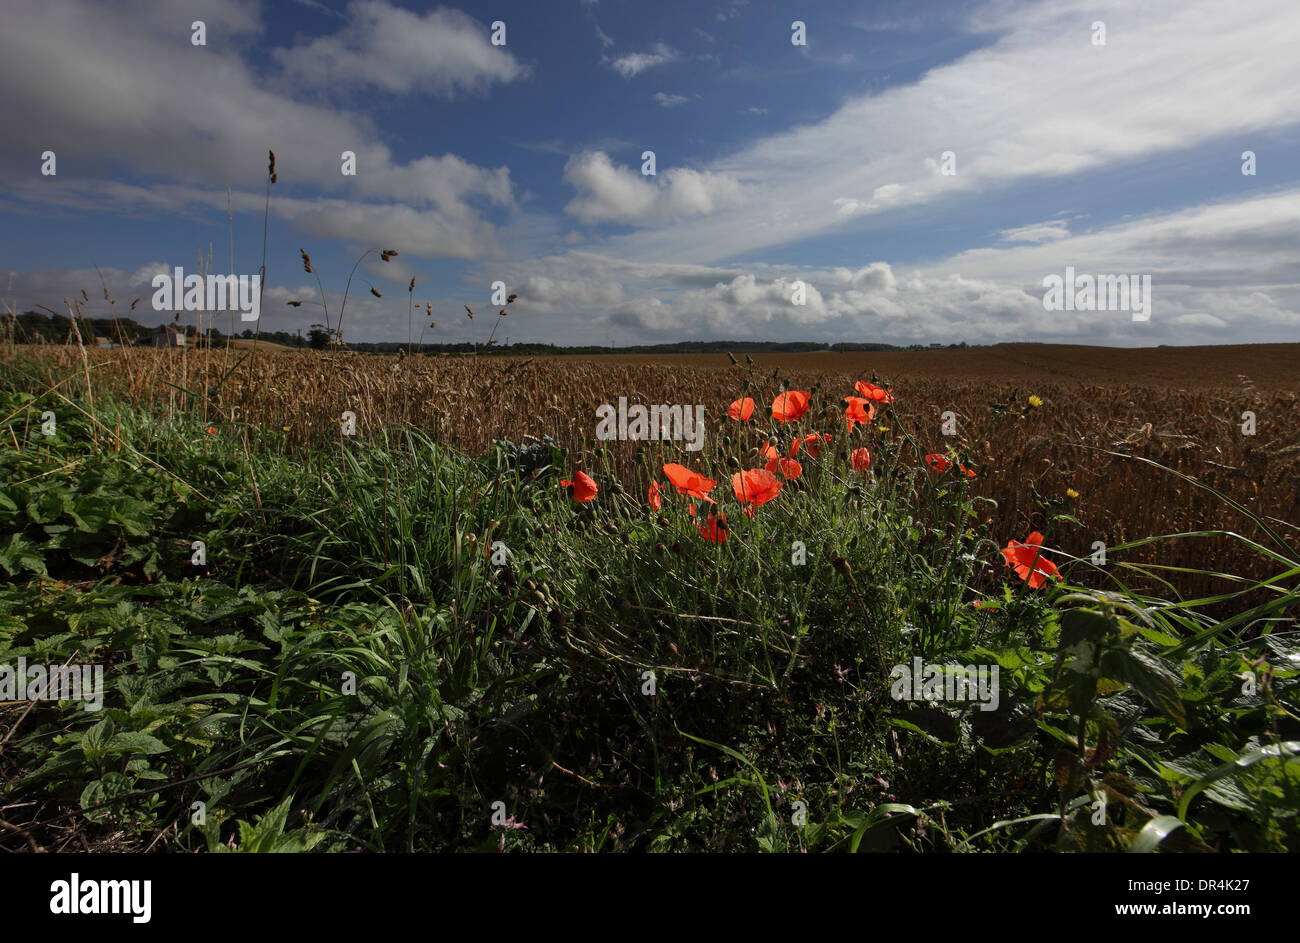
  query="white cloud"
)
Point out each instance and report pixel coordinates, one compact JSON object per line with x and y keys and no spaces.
{"x":668,"y":100}
{"x":607,"y":193}
{"x":1039,"y":101}
{"x":443,"y":52}
{"x":1046,"y":231}
{"x":634,"y":63}
{"x":1220,"y":273}
{"x":126,"y":93}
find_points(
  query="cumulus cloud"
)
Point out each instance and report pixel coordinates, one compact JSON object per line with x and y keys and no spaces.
{"x":607,"y":193}
{"x":1221,"y":273}
{"x":125,"y":93}
{"x":443,"y":52}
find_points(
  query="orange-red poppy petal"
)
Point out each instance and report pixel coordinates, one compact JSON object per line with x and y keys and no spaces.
{"x":741,"y":409}
{"x":791,"y":405}
{"x":755,"y":486}
{"x":584,"y":489}
{"x":786,"y":466}
{"x":872,"y":392}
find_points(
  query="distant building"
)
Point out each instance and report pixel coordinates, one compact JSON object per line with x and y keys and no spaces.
{"x":936,"y":346}
{"x":165,"y":336}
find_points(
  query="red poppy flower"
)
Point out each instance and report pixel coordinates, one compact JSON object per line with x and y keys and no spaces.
{"x":584,"y":489}
{"x":689,"y":482}
{"x":653,"y":495}
{"x":786,"y":466}
{"x":812,"y":444}
{"x":755,"y":486}
{"x":873,"y":392}
{"x":1029,"y":563}
{"x":861,"y":459}
{"x":212,"y":430}
{"x":859,"y":410}
{"x":791,"y":405}
{"x":715,"y":531}
{"x":941,"y":464}
{"x":741,"y":409}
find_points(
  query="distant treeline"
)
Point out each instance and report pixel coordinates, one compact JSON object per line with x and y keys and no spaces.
{"x":35,"y":327}
{"x":681,"y":347}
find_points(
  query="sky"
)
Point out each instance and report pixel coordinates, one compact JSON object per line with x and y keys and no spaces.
{"x":505,"y":142}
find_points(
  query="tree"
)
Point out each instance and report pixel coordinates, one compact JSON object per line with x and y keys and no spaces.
{"x":318,"y":337}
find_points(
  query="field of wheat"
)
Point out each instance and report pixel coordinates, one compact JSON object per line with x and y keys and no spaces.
{"x":573,"y":632}
{"x":1187,"y":409}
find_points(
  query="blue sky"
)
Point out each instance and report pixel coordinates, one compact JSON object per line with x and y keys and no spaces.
{"x":775,"y":163}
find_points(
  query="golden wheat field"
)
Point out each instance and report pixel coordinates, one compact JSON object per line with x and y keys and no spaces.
{"x":1180,"y":407}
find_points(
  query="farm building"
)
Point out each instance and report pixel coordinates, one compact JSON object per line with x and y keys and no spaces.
{"x":165,"y":336}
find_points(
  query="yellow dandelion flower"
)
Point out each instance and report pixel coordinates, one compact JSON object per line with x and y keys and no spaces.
{"x":1035,"y":402}
{"x":1071,"y":493}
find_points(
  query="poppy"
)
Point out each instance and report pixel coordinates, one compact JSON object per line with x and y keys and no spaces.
{"x":786,"y":466}
{"x":791,"y":405}
{"x":859,"y":410}
{"x":875,"y":393}
{"x":653,"y":496}
{"x":715,"y":531}
{"x":769,"y":451}
{"x":941,"y":464}
{"x":584,"y":489}
{"x":1029,"y":563}
{"x":689,"y":482}
{"x":741,"y":409}
{"x":812,"y":444}
{"x":755,"y":486}
{"x":212,"y":430}
{"x":861,"y":459}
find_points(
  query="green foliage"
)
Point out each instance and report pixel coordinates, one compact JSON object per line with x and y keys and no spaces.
{"x":387,"y":638}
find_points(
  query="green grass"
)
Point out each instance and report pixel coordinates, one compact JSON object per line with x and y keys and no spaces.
{"x":388,"y":638}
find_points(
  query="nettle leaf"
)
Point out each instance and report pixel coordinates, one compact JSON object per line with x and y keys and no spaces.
{"x":133,"y":742}
{"x":134,"y":516}
{"x":112,"y":786}
{"x":1085,"y":625}
{"x":94,"y":742}
{"x":22,"y":554}
{"x":1149,"y":677}
{"x":91,"y":513}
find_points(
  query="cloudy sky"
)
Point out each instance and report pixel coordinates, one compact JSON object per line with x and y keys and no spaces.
{"x":775,"y":163}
